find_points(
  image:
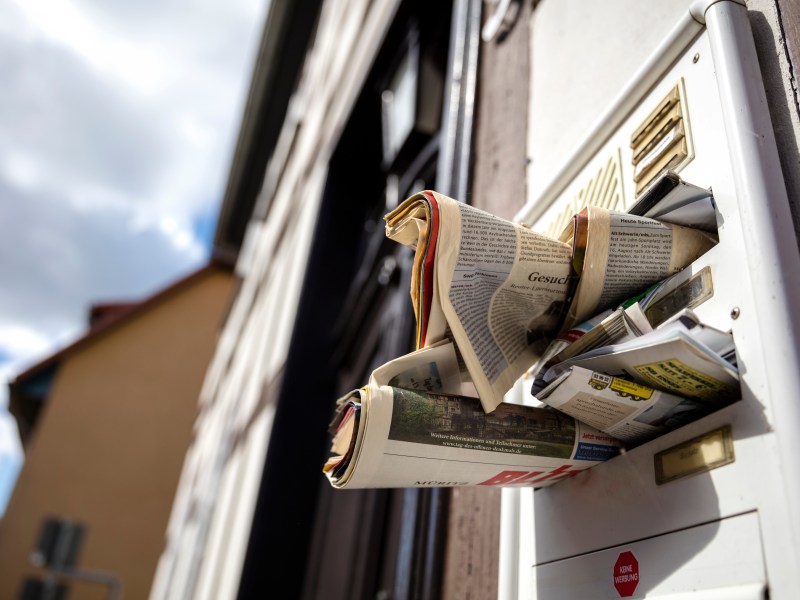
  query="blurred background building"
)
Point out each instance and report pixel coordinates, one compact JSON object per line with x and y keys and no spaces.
{"x":105,"y":424}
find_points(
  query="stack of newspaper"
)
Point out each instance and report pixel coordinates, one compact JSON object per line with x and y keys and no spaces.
{"x":412,"y":426}
{"x":491,"y":298}
{"x":639,"y":382}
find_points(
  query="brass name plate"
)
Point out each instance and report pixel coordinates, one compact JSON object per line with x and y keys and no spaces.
{"x":697,"y":455}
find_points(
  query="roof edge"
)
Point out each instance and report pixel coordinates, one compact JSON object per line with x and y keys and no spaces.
{"x":213,"y":264}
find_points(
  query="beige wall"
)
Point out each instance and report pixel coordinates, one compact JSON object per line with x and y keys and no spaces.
{"x":109,"y":446}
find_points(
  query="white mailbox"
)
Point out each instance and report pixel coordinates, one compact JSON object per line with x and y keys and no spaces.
{"x":711,"y":510}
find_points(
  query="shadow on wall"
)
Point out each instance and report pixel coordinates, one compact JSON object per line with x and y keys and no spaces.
{"x":776,"y":85}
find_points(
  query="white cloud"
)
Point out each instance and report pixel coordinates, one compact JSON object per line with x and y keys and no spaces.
{"x":11,"y":458}
{"x":136,"y":66}
{"x":123,"y":114}
{"x":7,"y":371}
{"x":18,"y":340}
{"x":9,"y":442}
{"x":21,"y":169}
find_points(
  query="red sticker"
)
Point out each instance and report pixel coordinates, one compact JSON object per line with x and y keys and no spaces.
{"x":626,"y":574}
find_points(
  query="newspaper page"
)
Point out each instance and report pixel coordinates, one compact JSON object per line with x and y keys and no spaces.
{"x":499,"y":288}
{"x":621,"y":325}
{"x":503,"y":290}
{"x":617,"y":254}
{"x":670,"y":360}
{"x":672,"y":200}
{"x":412,"y":434}
{"x":634,"y":317}
{"x":629,"y":411}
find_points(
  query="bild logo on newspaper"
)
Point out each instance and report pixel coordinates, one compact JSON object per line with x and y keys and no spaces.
{"x":626,"y":574}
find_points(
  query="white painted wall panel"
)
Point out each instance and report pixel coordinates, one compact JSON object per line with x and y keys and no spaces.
{"x":583,"y":53}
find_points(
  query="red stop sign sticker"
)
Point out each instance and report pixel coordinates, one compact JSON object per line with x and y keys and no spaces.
{"x":626,"y":574}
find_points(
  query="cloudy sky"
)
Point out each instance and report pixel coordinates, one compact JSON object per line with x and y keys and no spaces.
{"x":117,"y":125}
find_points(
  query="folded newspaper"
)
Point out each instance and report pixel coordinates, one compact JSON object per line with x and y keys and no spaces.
{"x":410,"y":427}
{"x":501,"y":291}
{"x":629,"y":411}
{"x":664,"y":301}
{"x":643,"y":387}
{"x":674,"y":358}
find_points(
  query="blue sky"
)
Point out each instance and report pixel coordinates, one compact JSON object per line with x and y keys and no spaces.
{"x":117,"y":125}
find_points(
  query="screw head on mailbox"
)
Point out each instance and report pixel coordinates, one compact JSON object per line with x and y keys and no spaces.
{"x":626,"y":574}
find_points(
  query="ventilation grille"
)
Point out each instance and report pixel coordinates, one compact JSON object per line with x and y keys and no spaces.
{"x":663,"y":141}
{"x":604,"y":190}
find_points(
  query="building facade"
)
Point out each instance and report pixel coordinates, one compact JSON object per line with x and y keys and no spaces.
{"x":352,"y":108}
{"x":105,"y":440}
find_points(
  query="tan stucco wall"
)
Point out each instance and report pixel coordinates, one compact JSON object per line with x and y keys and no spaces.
{"x":109,"y":446}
